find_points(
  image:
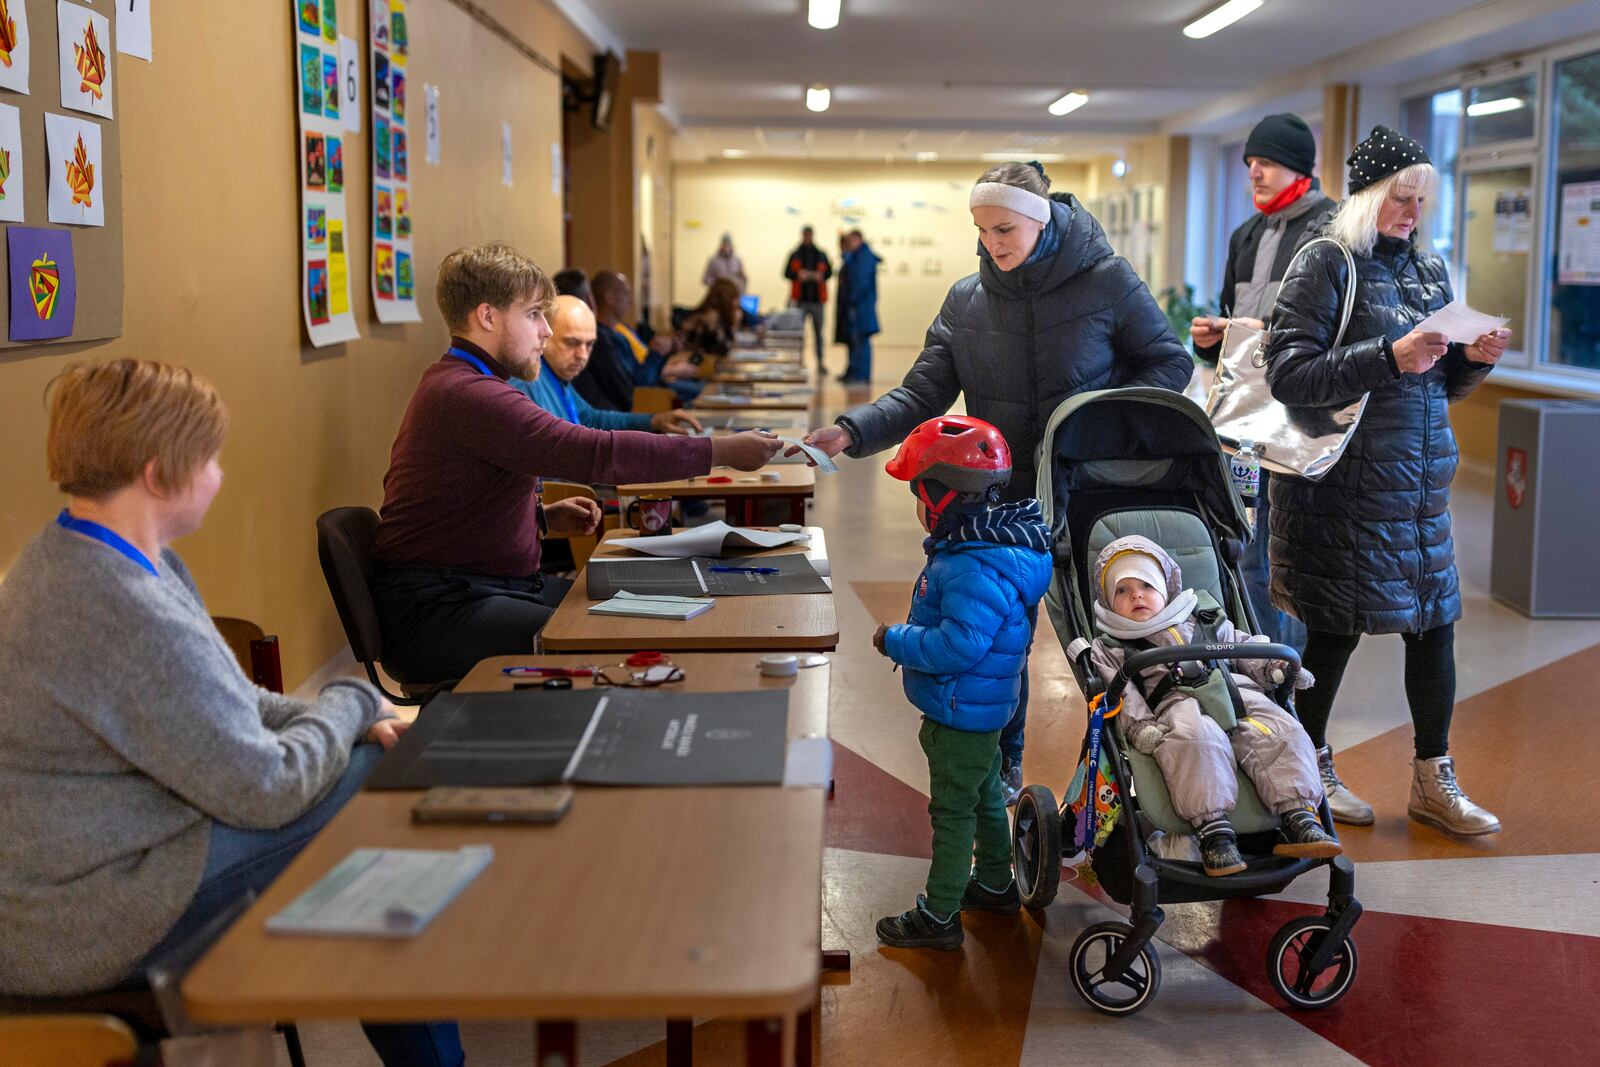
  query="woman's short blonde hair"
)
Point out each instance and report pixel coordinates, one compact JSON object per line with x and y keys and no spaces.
{"x":495,"y":274}
{"x":108,"y":420}
{"x":1356,"y":223}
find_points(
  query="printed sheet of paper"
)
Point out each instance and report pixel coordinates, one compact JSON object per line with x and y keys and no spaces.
{"x":73,"y":146}
{"x":84,"y":39}
{"x":44,"y":287}
{"x":824,"y":462}
{"x":430,"y":96}
{"x":324,"y":230}
{"x":394,"y":271}
{"x":14,"y":46}
{"x":1460,"y":323}
{"x":350,"y":83}
{"x":133,"y":28}
{"x":382,"y":892}
{"x":1578,"y":261}
{"x":12,"y":172}
{"x":506,"y":173}
{"x":712,"y":539}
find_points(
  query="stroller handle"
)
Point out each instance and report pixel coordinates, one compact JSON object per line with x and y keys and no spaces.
{"x":1153,"y":657}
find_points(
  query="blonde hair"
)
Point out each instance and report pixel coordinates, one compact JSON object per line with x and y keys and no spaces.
{"x":108,"y":420}
{"x":1022,"y":175}
{"x":1356,"y":223}
{"x":495,"y":274}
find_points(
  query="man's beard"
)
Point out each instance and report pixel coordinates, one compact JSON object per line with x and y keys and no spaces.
{"x":519,"y":365}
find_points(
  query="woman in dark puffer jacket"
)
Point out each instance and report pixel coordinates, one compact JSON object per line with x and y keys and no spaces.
{"x":1367,"y":549}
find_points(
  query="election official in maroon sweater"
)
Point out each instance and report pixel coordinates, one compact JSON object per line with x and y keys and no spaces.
{"x":456,"y":575}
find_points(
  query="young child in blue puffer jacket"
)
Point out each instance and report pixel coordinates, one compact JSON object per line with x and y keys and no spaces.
{"x":964,"y":650}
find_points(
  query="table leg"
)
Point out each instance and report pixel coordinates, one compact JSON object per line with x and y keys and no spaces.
{"x":797,"y":509}
{"x":803,"y":1055}
{"x":555,"y":1043}
{"x":763,"y":1042}
{"x":680,"y":1042}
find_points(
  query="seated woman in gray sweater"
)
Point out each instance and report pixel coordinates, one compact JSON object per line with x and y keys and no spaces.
{"x":145,"y":783}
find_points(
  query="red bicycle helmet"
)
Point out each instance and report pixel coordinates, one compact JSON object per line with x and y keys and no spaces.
{"x":965,"y":454}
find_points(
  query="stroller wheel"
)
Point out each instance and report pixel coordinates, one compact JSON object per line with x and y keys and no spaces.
{"x":1287,"y":956}
{"x":1121,"y":996}
{"x":1036,"y":846}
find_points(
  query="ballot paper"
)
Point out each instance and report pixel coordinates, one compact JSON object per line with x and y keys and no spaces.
{"x":712,"y":539}
{"x":1460,"y":323}
{"x":824,"y":462}
{"x":382,"y":892}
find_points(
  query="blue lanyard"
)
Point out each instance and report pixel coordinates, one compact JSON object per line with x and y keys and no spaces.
{"x":105,"y":536}
{"x":565,"y":389}
{"x":467,"y":357}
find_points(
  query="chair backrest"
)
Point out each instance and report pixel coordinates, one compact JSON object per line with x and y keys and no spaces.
{"x":344,"y":545}
{"x":66,"y":1041}
{"x":255,"y":649}
{"x":582,"y":545}
{"x":653,"y":399}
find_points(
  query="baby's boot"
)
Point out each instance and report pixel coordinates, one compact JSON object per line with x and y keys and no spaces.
{"x":1219,"y":847}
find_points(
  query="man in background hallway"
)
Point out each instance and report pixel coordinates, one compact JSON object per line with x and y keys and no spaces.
{"x":808,"y":271}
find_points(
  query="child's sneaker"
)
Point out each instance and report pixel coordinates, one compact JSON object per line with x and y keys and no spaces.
{"x":1219,"y":849}
{"x":920,"y":928}
{"x":1304,"y":837}
{"x":980,"y":897}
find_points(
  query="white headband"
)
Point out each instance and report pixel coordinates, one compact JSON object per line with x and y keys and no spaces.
{"x":999,"y":194}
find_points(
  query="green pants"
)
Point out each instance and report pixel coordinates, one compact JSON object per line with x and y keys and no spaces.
{"x":968,"y":809}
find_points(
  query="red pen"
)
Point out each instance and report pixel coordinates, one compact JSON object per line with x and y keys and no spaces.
{"x":550,"y":672}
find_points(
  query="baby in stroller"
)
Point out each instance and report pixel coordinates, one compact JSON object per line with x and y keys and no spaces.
{"x":1140,"y":603}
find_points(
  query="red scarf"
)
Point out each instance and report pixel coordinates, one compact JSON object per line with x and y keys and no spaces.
{"x":1294,"y":192}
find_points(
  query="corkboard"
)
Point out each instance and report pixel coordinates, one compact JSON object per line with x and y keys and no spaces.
{"x":96,"y":250}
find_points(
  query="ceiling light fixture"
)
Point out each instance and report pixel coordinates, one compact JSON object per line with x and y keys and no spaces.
{"x":817,"y":97}
{"x":1071,"y":102}
{"x":927,"y":157}
{"x":823,"y":14}
{"x":1495,"y":107}
{"x":1220,"y":18}
{"x":734,"y":153}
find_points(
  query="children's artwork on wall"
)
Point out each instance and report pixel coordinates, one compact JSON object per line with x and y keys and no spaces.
{"x":14,"y":43}
{"x":393,"y":286}
{"x":85,"y":37}
{"x":324,"y":266}
{"x":12,"y":171}
{"x":73,"y":146}
{"x":44,"y":283}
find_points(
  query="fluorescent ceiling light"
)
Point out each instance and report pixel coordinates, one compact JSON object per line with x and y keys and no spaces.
{"x":1070,"y":102}
{"x":927,"y":157}
{"x":1220,"y":18}
{"x":1495,"y":107}
{"x":734,"y":153}
{"x":823,"y":14}
{"x":817,"y":98}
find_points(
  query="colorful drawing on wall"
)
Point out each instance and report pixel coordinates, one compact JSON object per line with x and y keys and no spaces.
{"x":380,"y":25}
{"x":383,"y":212}
{"x":335,"y":165}
{"x":44,"y":285}
{"x":402,"y":214}
{"x":330,"y":21}
{"x":404,"y":286}
{"x":338,"y":269}
{"x":73,"y":146}
{"x":311,"y":16}
{"x":383,"y":261}
{"x":316,"y":227}
{"x":14,"y":45}
{"x":316,"y":162}
{"x":399,"y":36}
{"x":381,"y":147}
{"x":85,"y":66}
{"x":399,"y":164}
{"x":330,"y":85}
{"x":12,"y":171}
{"x":380,"y":81}
{"x":397,"y":95}
{"x":311,"y":79}
{"x":317,"y":290}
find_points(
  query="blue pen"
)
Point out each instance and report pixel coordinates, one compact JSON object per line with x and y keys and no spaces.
{"x":743,"y":570}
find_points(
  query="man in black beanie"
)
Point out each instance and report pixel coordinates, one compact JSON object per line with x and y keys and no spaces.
{"x":1281,"y":154}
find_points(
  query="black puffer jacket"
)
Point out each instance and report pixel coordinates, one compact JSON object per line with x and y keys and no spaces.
{"x":1019,"y":342}
{"x":1367,"y":549}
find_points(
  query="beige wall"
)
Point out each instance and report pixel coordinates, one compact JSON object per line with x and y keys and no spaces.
{"x":913,"y":214}
{"x":652,"y":182}
{"x":212,"y":259}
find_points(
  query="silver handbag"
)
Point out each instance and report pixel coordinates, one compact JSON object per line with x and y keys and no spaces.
{"x":1304,"y":441}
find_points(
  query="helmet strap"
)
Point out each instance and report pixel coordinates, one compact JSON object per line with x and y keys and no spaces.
{"x":935,"y":511}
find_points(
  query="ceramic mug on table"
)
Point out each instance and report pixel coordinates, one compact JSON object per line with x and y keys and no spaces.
{"x":653,"y":517}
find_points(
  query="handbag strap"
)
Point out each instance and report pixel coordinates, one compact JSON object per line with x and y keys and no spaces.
{"x":1347,"y":305}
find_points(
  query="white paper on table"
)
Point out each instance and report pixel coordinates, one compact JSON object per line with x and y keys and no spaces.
{"x":1460,"y":323}
{"x":14,"y":75}
{"x":824,"y":462}
{"x":708,"y":540}
{"x":430,"y":104}
{"x":62,"y":136}
{"x":133,"y":28}
{"x":12,"y":185}
{"x":382,"y":892}
{"x":808,"y":763}
{"x":350,"y":79}
{"x":74,"y":24}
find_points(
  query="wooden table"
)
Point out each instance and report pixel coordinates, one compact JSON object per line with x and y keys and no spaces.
{"x":715,"y":400}
{"x":800,"y":622}
{"x":669,"y":903}
{"x":733,"y":373}
{"x":744,"y":492}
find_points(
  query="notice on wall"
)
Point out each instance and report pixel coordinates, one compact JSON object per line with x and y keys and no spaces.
{"x":507,"y":174}
{"x":12,"y":171}
{"x":322,"y":227}
{"x":394,"y":287}
{"x":1579,"y":250}
{"x":430,"y":96}
{"x":133,"y":29}
{"x":1513,"y":221}
{"x":350,"y":82}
